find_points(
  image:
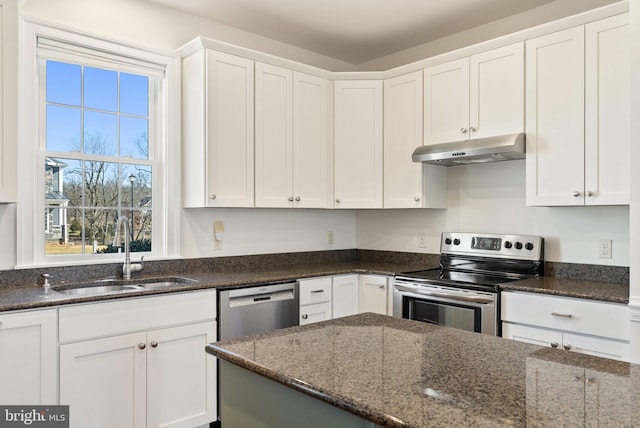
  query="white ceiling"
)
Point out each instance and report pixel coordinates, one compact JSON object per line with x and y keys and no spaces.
{"x":354,"y":31}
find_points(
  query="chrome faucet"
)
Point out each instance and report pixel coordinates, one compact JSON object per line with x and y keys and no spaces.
{"x":127,"y":267}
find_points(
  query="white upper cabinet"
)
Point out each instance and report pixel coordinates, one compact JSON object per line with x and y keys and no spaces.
{"x":218,"y":130}
{"x":406,"y":185}
{"x":312,"y":149}
{"x":607,"y":112}
{"x":8,"y":100}
{"x":292,"y":165}
{"x":475,"y":97}
{"x":578,"y":116}
{"x":358,"y":143}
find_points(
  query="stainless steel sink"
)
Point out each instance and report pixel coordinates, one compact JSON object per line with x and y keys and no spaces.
{"x":116,"y":286}
{"x":93,"y":289}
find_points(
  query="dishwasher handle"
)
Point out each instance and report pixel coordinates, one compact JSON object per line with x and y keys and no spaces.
{"x":262,"y":298}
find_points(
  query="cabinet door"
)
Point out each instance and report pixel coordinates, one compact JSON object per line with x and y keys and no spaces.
{"x":372,"y":295}
{"x":345,"y":295}
{"x":104,"y":381}
{"x":315,"y":313}
{"x":554,"y":122}
{"x":537,"y":336}
{"x":402,"y":134}
{"x":8,"y":102}
{"x":446,"y":102}
{"x":607,"y":127}
{"x":312,"y":151}
{"x":274,"y":136}
{"x":598,"y":346}
{"x":181,"y":377}
{"x":28,"y":351}
{"x":358,"y":144}
{"x":230,"y":114}
{"x":497,"y":92}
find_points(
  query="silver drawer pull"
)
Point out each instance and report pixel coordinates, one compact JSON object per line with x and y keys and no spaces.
{"x":554,"y":344}
{"x":558,"y":314}
{"x":317,"y":291}
{"x":305,"y":316}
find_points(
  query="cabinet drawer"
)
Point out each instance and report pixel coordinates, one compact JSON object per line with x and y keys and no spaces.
{"x":568,"y":314}
{"x":315,"y":290}
{"x":315,"y":313}
{"x":81,"y":322}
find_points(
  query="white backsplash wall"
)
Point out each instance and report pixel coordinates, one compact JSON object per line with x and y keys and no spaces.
{"x":265,"y":231}
{"x":491,"y":198}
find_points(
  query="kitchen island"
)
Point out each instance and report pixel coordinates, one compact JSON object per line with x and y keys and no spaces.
{"x":373,"y":370}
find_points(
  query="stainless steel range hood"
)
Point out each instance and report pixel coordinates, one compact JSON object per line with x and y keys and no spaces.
{"x":481,"y":150}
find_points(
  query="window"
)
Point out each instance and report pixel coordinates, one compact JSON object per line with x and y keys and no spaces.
{"x":97,"y":142}
{"x":96,"y":158}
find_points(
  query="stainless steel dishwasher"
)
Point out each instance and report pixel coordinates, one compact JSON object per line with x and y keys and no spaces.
{"x":249,"y":310}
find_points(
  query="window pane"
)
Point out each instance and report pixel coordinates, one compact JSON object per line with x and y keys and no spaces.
{"x":100,"y":133}
{"x":100,"y":89}
{"x":136,"y":186}
{"x":100,"y":184}
{"x":63,"y":129}
{"x":134,"y":94}
{"x":134,"y":137}
{"x":63,"y":83}
{"x":63,"y":182}
{"x":99,"y":228}
{"x":63,"y":231}
{"x":141,"y":238}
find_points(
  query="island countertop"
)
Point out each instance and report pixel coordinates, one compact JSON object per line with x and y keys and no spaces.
{"x":397,"y":372}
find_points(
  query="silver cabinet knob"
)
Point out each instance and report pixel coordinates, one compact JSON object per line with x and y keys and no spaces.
{"x":381,"y":286}
{"x":416,"y":199}
{"x":590,"y":381}
{"x":577,"y":378}
{"x":154,"y":344}
{"x":576,"y":193}
{"x":472,"y":129}
{"x":337,"y":201}
{"x":463,"y":130}
{"x":290,"y":198}
{"x":297,"y":198}
{"x":305,"y":316}
{"x":567,"y":347}
{"x":142,"y":345}
{"x":554,"y":344}
{"x":212,"y":196}
{"x":589,"y":193}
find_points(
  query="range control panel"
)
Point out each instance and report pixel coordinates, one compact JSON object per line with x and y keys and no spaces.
{"x":524,"y":247}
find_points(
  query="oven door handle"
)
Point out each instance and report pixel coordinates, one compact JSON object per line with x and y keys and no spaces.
{"x":423,"y":292}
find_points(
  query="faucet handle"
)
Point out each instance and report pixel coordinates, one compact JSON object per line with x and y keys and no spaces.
{"x":45,"y":280}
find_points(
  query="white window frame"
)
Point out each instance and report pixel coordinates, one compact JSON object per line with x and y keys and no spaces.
{"x":166,"y":167}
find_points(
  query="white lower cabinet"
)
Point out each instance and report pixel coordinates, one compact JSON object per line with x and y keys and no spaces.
{"x":28,"y":351}
{"x":345,"y":295}
{"x":579,"y":325}
{"x":373,"y":295}
{"x":130,"y":374}
{"x":315,"y":299}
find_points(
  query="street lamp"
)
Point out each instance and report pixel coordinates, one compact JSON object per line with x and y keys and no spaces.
{"x":132,"y":179}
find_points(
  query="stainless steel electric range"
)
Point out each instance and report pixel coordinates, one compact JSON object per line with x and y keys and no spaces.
{"x":465,"y":291}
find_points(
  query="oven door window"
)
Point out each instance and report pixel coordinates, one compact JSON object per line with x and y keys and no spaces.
{"x":447,"y":314}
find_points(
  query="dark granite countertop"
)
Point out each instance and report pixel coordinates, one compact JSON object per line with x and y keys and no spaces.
{"x":20,"y":296}
{"x":402,"y":373}
{"x":570,"y":287}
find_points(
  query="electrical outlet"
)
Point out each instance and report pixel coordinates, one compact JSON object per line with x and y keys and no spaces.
{"x":218,"y":235}
{"x":604,"y":248}
{"x":330,"y":237}
{"x":422,"y":240}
